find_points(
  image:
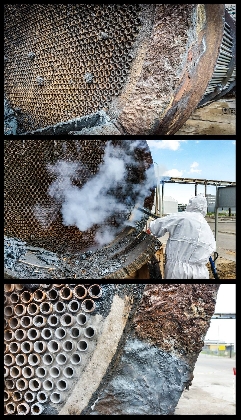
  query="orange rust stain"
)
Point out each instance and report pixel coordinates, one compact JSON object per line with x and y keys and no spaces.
{"x":176,"y":317}
{"x":184,"y":86}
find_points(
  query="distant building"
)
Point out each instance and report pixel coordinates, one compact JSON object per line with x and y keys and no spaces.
{"x":218,"y":347}
{"x":170,"y":205}
{"x":182,"y":207}
{"x":211,"y":200}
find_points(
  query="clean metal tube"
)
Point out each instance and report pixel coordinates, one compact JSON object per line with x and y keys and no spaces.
{"x":42,"y":396}
{"x":41,"y":372}
{"x":36,"y":409}
{"x":29,"y":396}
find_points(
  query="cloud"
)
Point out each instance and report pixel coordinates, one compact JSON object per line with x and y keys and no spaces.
{"x":165,"y":144}
{"x":193,"y":168}
{"x":174,"y":173}
{"x":110,"y":194}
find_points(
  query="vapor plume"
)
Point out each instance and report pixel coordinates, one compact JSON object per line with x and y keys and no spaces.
{"x":111,"y":193}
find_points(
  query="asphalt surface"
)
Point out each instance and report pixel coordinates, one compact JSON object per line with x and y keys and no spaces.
{"x":213,"y":390}
{"x":226,"y":239}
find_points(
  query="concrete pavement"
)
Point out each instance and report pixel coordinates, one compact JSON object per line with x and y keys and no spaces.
{"x":213,"y":390}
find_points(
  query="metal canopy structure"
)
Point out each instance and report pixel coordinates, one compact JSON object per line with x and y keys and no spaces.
{"x":224,"y":316}
{"x":195,"y":181}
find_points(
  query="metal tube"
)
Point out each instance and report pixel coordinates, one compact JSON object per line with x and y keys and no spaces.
{"x":39,"y":321}
{"x":11,"y":408}
{"x":6,"y":371}
{"x":34,"y":359}
{"x":23,"y":408}
{"x":74,"y":306}
{"x":35,"y":384}
{"x":53,"y":320}
{"x":75,"y":332}
{"x":6,"y":396}
{"x":41,"y":372}
{"x":33,"y":309}
{"x":15,"y":372}
{"x":88,"y":305}
{"x":82,"y":345}
{"x":46,"y":334}
{"x":21,"y":384}
{"x":33,"y":334}
{"x":66,"y":320}
{"x":69,"y":345}
{"x":27,"y":347}
{"x":8,"y":311}
{"x":95,"y":291}
{"x":82,"y":319}
{"x":68,"y":372}
{"x":89,"y":332}
{"x":42,"y":396}
{"x":53,"y":294}
{"x":17,"y":396}
{"x":26,"y":297}
{"x":62,"y":385}
{"x":26,"y":321}
{"x":28,"y":372}
{"x":48,"y":385}
{"x":75,"y":359}
{"x":36,"y":409}
{"x":14,"y":298}
{"x":21,"y":359}
{"x":54,"y":346}
{"x":14,"y":347}
{"x":80,"y":291}
{"x":48,"y":359}
{"x":29,"y":396}
{"x":39,"y":295}
{"x":66,"y":293}
{"x":40,"y":346}
{"x":46,"y":308}
{"x":55,"y":398}
{"x":8,"y":288}
{"x":60,"y":307}
{"x":61,"y":359}
{"x":9,"y":359}
{"x":9,"y":335}
{"x":54,"y":372}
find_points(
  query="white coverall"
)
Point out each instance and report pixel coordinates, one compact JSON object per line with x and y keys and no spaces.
{"x":190,"y":243}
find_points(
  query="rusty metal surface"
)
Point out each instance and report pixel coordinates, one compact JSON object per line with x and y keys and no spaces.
{"x":130,"y":250}
{"x":176,"y":317}
{"x":160,"y":353}
{"x":96,"y":349}
{"x":146,"y":67}
{"x":64,"y":61}
{"x":39,"y":243}
{"x":33,"y":215}
{"x":202,"y":55}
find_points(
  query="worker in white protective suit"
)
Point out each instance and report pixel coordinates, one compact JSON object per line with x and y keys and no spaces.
{"x":190,"y":243}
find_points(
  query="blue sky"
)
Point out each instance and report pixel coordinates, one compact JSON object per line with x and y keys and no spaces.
{"x":204,"y":159}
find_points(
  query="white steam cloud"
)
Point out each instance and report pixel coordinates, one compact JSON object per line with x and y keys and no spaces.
{"x":106,"y":194}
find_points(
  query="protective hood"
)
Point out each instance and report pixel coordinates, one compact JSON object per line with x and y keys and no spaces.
{"x":197,"y":204}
